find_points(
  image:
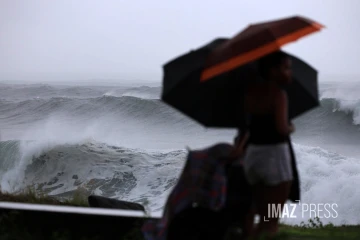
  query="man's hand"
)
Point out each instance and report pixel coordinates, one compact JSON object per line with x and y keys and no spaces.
{"x":238,"y":152}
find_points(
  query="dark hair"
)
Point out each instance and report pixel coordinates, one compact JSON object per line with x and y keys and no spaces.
{"x":269,"y":61}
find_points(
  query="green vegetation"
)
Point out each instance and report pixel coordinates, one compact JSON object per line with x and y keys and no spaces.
{"x":329,"y":232}
{"x":30,"y":196}
{"x":12,"y":227}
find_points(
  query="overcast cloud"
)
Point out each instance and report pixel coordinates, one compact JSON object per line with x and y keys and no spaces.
{"x":52,"y":40}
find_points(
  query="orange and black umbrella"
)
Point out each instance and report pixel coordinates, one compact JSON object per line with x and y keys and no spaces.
{"x":215,"y":100}
{"x":256,"y":41}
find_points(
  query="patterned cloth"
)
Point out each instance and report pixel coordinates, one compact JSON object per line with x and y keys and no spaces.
{"x":202,"y":183}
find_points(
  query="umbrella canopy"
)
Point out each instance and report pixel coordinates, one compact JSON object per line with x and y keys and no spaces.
{"x":219,"y":102}
{"x":303,"y":92}
{"x":182,"y":89}
{"x":256,"y":41}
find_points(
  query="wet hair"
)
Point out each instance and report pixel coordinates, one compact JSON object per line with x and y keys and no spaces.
{"x":269,"y":61}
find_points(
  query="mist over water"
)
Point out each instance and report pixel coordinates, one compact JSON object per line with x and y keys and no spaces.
{"x":123,"y":142}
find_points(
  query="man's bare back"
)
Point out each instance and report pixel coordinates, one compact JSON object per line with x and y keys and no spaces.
{"x":261,"y":98}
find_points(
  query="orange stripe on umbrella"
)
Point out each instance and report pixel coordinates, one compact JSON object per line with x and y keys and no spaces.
{"x":258,"y":52}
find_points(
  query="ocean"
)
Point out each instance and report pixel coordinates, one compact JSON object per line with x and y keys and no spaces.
{"x":123,"y":142}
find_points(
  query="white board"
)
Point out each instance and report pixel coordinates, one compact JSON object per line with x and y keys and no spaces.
{"x":71,"y":210}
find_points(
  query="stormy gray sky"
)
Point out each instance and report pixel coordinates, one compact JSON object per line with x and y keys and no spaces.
{"x":54,"y":40}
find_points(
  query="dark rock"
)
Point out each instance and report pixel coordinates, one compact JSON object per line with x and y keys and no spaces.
{"x":103,"y":202}
{"x":32,"y":224}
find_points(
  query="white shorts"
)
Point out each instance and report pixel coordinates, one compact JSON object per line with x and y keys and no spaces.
{"x":268,"y":164}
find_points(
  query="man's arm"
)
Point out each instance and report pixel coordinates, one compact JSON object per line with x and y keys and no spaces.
{"x":240,"y":144}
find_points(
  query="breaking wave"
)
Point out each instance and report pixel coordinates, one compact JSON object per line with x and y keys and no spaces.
{"x":125,"y":143}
